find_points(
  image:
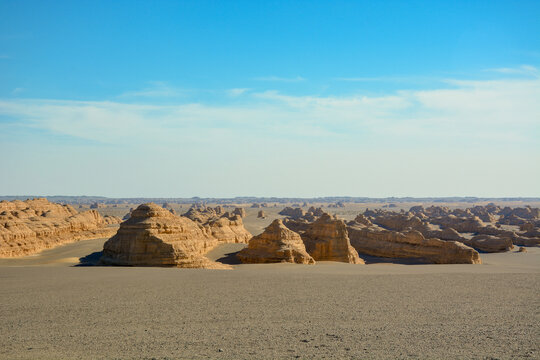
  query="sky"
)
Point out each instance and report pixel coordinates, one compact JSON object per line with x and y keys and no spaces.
{"x":270,"y":98}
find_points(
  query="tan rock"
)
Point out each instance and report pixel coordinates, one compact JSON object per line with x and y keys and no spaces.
{"x":152,"y":236}
{"x":28,"y":227}
{"x":276,"y":244}
{"x":327,"y":240}
{"x":410,"y":244}
{"x":490,"y":243}
{"x":239,"y":211}
{"x":261,"y":215}
{"x":293,"y":213}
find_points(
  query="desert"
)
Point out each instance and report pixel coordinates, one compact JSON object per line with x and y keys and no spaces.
{"x":66,"y":302}
{"x":275,"y":179}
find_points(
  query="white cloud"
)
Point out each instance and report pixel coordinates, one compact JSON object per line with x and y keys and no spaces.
{"x":521,"y":70}
{"x":156,"y":89}
{"x":280,"y":79}
{"x":237,"y":92}
{"x":468,"y":138}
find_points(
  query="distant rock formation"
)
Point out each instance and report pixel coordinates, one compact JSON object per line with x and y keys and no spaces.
{"x":28,"y":227}
{"x":293,"y":213}
{"x":261,"y":215}
{"x":152,"y":236}
{"x":239,"y":211}
{"x":276,"y":244}
{"x":327,"y":239}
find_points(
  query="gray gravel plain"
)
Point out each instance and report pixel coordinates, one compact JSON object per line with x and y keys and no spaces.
{"x":276,"y":311}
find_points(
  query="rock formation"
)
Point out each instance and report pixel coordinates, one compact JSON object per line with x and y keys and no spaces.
{"x":261,"y":215}
{"x":239,"y":211}
{"x":327,"y":239}
{"x":276,"y":244}
{"x":409,"y":244}
{"x":293,"y":213}
{"x":152,"y":236}
{"x":28,"y":227}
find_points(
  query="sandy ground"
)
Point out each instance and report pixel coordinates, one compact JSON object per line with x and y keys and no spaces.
{"x":54,"y":308}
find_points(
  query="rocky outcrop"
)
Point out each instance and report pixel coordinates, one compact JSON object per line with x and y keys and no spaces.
{"x":28,"y":227}
{"x":261,"y":214}
{"x":152,"y":236}
{"x":489,"y":243}
{"x":276,"y":244}
{"x":239,"y":211}
{"x":409,"y":244}
{"x":293,"y":213}
{"x":327,"y":240}
{"x":228,"y":229}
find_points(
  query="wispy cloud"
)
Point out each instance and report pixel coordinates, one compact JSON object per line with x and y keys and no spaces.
{"x":280,"y":79}
{"x":522,"y":70}
{"x":156,"y":89}
{"x":236,"y":92}
{"x":469,"y":113}
{"x":3,"y":56}
{"x":17,"y":91}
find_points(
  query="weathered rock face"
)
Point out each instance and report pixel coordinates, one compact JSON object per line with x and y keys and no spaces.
{"x":327,"y":240}
{"x":28,"y":227}
{"x":410,"y":244}
{"x":276,"y":244}
{"x":239,"y":211}
{"x":489,"y":243}
{"x":152,"y":236}
{"x":228,"y":229}
{"x":293,"y":213}
{"x":261,"y":215}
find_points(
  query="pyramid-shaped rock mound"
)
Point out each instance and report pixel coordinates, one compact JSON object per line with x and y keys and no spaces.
{"x":153,"y":236}
{"x":327,"y":240}
{"x":276,"y":244}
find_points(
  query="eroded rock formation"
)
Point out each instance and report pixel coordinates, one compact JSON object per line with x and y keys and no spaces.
{"x":28,"y":227}
{"x":327,"y":239}
{"x":152,"y":236}
{"x":276,"y":244}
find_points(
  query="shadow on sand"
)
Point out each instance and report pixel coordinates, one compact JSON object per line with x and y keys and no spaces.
{"x":229,"y":259}
{"x":90,"y":260}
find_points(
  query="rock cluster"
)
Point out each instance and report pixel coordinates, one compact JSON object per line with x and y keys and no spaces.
{"x":276,"y":244}
{"x":153,"y":236}
{"x":486,"y":228}
{"x":28,"y":227}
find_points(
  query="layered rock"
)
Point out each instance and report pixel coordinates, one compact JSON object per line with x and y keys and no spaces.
{"x":239,"y":211}
{"x":276,"y":244}
{"x":327,"y":239}
{"x":409,"y":244}
{"x":152,"y":236}
{"x":261,"y":214}
{"x":28,"y":227}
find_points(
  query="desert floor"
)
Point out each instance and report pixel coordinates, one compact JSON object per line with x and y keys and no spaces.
{"x":53,"y":306}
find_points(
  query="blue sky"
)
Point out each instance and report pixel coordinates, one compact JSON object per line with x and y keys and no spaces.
{"x":270,"y":98}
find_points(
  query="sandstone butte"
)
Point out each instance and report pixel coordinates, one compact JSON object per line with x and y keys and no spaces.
{"x":327,"y":239}
{"x":153,"y":236}
{"x":276,"y":244}
{"x":28,"y":227}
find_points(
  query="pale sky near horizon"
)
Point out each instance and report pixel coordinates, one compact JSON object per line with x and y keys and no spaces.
{"x":270,"y":98}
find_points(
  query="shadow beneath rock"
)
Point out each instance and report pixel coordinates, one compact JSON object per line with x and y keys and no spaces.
{"x":229,"y":259}
{"x":401,"y":261}
{"x":90,"y":260}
